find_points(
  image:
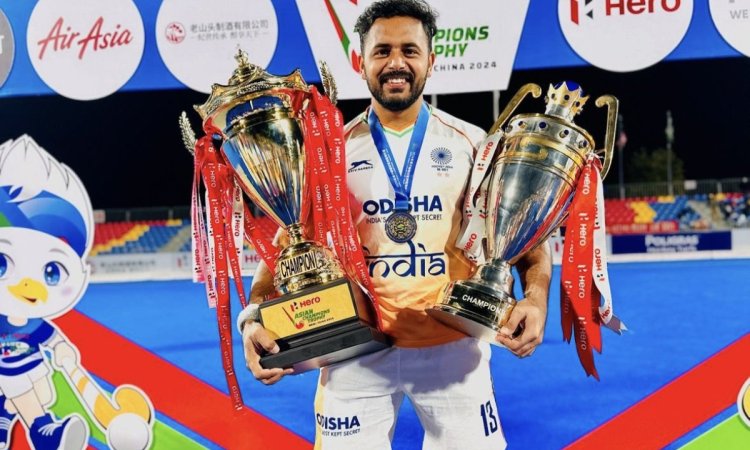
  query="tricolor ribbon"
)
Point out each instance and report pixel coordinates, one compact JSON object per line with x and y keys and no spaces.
{"x":584,"y":276}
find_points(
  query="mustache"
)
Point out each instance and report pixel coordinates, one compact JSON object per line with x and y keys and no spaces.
{"x":396,"y":74}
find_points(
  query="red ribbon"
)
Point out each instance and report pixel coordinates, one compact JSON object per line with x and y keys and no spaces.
{"x":325,"y":198}
{"x":219,"y":193}
{"x":579,"y":301}
{"x":324,"y":126}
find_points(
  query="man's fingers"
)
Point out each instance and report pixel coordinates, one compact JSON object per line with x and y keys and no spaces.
{"x":261,"y":338}
{"x":516,"y":316}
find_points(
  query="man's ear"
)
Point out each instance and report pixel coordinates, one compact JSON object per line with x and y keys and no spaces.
{"x":432,"y":63}
{"x":362,"y":67}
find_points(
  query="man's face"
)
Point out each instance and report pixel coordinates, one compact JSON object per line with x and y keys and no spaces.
{"x":396,"y":61}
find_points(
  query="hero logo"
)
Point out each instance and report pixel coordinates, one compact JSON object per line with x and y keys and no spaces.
{"x":624,"y":35}
{"x":304,"y":303}
{"x":85,"y":51}
{"x":621,"y":7}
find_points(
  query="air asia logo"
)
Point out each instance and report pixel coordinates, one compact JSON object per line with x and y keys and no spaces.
{"x":624,"y":35}
{"x":357,"y":166}
{"x":732,"y":19}
{"x":743,"y":403}
{"x":191,"y":31}
{"x":175,"y":32}
{"x":85,"y":52}
{"x":7,"y":47}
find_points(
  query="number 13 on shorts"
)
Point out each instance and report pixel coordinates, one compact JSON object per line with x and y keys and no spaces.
{"x":489,"y":418}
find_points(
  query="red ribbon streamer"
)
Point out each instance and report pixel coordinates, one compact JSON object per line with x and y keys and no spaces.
{"x":579,"y":302}
{"x":325,"y":201}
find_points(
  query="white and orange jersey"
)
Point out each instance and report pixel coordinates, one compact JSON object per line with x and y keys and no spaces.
{"x":409,"y":276}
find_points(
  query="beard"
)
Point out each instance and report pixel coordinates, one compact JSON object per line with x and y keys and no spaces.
{"x":393,"y":102}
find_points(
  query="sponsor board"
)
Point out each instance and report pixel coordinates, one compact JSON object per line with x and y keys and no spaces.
{"x":85,"y":49}
{"x":7,"y":47}
{"x":143,"y":266}
{"x":672,"y":243}
{"x":624,"y":35}
{"x":198,"y":39}
{"x":475,"y":44}
{"x":732,"y":19}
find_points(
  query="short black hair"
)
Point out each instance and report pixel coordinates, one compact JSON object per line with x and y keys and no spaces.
{"x":385,"y":9}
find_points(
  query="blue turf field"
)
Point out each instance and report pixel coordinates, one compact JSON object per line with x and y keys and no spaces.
{"x":679,"y":314}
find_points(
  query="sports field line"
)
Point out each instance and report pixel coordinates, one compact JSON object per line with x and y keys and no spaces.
{"x":679,"y":406}
{"x":174,"y":392}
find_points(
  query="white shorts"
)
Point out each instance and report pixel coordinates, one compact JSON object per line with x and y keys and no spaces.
{"x":15,"y":385}
{"x":450,"y":386}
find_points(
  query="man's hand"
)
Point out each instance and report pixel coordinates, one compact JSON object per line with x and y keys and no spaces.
{"x":531,"y":319}
{"x":255,"y":339}
{"x":62,"y":351}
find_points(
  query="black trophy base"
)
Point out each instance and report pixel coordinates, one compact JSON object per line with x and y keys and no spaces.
{"x":473,"y":309}
{"x":342,"y":343}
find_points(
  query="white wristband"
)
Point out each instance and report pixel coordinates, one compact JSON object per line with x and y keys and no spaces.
{"x":251,"y":312}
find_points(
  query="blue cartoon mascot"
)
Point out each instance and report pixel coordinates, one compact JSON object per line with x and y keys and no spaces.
{"x":46,"y":231}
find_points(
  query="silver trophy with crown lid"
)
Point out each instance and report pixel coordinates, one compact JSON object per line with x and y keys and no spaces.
{"x":532,"y":181}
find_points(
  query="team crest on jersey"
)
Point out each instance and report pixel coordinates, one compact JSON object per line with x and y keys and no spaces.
{"x":441,"y":159}
{"x":357,"y":166}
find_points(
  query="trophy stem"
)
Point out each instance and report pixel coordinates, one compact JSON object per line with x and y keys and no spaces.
{"x":295,"y":232}
{"x":496,"y":274}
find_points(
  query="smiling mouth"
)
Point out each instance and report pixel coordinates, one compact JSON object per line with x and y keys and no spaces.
{"x":30,"y":300}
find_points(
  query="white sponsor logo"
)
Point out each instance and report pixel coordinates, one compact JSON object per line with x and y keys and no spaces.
{"x":732,"y":19}
{"x":197,"y":39}
{"x":676,"y":243}
{"x":7,"y":47}
{"x":85,"y":49}
{"x":624,"y":35}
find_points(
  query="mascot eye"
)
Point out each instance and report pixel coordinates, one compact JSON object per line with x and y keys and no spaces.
{"x":54,"y":273}
{"x":6,"y":265}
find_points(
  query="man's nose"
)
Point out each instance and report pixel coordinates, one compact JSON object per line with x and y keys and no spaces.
{"x":397,"y":61}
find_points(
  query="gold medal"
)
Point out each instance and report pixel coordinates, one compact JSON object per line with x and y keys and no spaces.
{"x":400,"y":227}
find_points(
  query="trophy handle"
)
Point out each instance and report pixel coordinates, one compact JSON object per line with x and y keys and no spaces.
{"x":329,"y":84}
{"x":188,"y":135}
{"x":609,"y":139}
{"x":534,"y":89}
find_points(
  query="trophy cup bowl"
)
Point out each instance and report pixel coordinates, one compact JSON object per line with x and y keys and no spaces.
{"x":531,"y":185}
{"x":321,"y":317}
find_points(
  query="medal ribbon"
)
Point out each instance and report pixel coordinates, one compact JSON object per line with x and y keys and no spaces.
{"x":401,"y":182}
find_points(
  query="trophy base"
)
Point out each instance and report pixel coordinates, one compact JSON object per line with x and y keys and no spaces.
{"x":321,"y":325}
{"x":356,"y":340}
{"x":474,"y":309}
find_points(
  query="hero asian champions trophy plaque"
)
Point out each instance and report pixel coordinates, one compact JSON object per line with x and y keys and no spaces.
{"x":322,"y":316}
{"x":531,"y":185}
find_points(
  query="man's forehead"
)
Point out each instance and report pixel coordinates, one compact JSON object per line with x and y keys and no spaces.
{"x":397,"y":30}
